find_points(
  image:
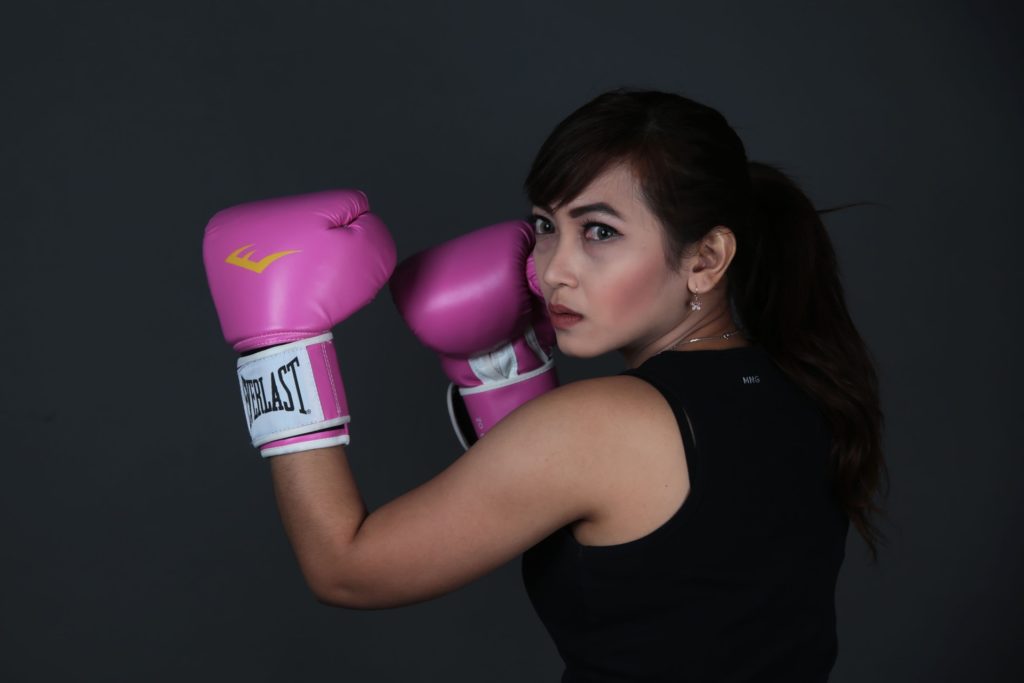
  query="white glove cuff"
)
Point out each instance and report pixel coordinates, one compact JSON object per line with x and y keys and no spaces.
{"x":292,"y":389}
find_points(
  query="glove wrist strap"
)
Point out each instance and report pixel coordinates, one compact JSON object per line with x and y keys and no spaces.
{"x":488,"y":404}
{"x":293,"y":396}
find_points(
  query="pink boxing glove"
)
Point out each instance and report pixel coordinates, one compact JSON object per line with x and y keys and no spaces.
{"x":282,"y":273}
{"x":475,"y":301}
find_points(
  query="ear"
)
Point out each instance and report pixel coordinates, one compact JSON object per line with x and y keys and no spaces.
{"x":714,"y":254}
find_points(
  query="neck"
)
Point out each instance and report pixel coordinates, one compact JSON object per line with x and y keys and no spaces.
{"x":676,"y":339}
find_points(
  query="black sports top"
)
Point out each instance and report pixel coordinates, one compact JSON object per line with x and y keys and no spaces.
{"x":739,"y":584}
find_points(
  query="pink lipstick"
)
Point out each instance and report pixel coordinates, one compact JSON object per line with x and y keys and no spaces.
{"x":563,"y":317}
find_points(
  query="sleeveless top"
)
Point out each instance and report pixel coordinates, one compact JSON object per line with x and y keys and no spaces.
{"x":739,"y":584}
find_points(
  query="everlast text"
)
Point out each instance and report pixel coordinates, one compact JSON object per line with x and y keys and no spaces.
{"x":284,"y":379}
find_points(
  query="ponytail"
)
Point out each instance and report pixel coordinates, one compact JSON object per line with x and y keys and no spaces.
{"x":785,"y":286}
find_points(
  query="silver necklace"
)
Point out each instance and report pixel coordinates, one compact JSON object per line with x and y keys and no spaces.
{"x":727,"y":335}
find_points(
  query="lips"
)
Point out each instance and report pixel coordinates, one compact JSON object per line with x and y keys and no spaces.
{"x":558,"y":309}
{"x":563,"y":317}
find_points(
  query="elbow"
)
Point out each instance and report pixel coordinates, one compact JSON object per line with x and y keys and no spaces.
{"x":354,"y":589}
{"x":345,"y":596}
{"x":326,"y":596}
{"x":337,"y":594}
{"x":348,"y":601}
{"x":331,"y":593}
{"x":324,"y":584}
{"x":327,"y":578}
{"x":331,"y":597}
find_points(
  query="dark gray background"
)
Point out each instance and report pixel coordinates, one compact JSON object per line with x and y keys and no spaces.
{"x":141,"y":539}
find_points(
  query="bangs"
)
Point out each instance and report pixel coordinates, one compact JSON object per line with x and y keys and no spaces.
{"x":558,"y":179}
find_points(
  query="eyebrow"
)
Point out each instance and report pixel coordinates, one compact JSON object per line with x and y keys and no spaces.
{"x":599,"y":207}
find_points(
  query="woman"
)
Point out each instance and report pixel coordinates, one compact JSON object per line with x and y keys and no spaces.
{"x":745,"y":334}
{"x":682,"y":520}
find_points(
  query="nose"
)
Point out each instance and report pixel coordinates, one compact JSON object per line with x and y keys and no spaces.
{"x":556,"y":263}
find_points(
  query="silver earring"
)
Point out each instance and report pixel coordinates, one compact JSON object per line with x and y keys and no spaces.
{"x":695,"y":302}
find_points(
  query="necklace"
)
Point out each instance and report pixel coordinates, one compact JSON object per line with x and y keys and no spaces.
{"x":728,"y":334}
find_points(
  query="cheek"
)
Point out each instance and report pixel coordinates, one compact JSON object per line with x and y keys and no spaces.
{"x":630,"y":294}
{"x":540,"y":265}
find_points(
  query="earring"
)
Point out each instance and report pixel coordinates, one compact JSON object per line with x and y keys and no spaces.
{"x":695,"y":302}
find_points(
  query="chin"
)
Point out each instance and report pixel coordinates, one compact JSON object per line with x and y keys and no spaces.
{"x":574,"y":350}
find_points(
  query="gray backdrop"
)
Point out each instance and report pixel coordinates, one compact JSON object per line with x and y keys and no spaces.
{"x":141,"y":540}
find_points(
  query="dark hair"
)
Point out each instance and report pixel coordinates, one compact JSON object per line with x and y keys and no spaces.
{"x":783,"y":282}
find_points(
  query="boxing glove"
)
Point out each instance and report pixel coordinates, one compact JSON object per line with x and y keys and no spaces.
{"x":282,"y":273}
{"x":474,"y":300}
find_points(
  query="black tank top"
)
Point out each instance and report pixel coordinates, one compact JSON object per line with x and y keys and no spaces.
{"x":739,"y":584}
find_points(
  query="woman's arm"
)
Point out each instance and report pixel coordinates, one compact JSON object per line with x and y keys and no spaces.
{"x":545,"y":465}
{"x":321,"y":509}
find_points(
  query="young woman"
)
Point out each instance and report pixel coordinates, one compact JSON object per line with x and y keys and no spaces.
{"x":682,"y":520}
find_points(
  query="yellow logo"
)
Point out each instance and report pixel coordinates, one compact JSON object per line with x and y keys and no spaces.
{"x":238,"y":259}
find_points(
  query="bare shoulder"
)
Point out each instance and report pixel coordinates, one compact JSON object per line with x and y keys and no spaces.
{"x":639,"y":477}
{"x":626,"y":388}
{"x":599,"y":412}
{"x":618,"y":433}
{"x":623,"y":397}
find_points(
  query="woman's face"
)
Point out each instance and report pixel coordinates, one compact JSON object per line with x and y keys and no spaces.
{"x":602,"y":255}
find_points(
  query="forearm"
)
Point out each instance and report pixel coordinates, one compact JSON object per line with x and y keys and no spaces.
{"x":322,"y":510}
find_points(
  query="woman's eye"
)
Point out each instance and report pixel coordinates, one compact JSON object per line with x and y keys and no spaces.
{"x":540,"y":224}
{"x":593,"y":232}
{"x":601,"y":231}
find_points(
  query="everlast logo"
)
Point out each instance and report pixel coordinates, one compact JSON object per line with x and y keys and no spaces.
{"x":256,"y":399}
{"x":237,"y":258}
